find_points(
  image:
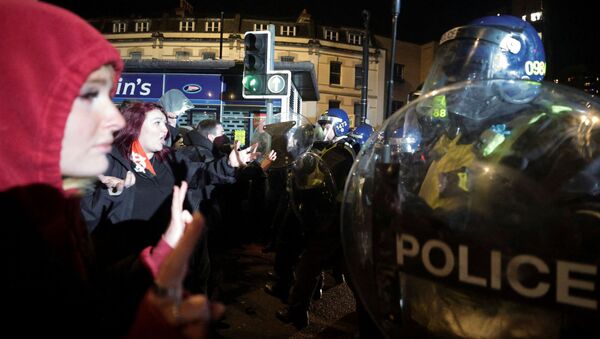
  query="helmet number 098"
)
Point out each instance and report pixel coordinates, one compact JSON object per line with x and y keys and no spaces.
{"x":535,"y":67}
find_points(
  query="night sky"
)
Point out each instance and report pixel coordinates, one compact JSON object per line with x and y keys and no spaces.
{"x":570,"y":37}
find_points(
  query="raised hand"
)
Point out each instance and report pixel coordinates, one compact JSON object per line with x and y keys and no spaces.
{"x":166,"y":311}
{"x":117,"y":185}
{"x":179,"y":216}
{"x":239,"y":158}
{"x":268,"y":161}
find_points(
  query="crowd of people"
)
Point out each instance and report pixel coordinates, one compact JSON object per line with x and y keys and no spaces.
{"x":109,"y":207}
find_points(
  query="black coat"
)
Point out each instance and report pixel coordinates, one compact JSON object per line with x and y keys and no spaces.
{"x":98,"y":206}
{"x":200,"y":149}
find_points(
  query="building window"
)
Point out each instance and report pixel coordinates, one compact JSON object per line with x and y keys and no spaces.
{"x":208,"y":55}
{"x":286,"y":58}
{"x":332,"y":35}
{"x":212,"y":26}
{"x":260,"y":27}
{"x":182,"y":55}
{"x":354,"y":38}
{"x":396,"y":105}
{"x":358,"y":76}
{"x":135,"y":55}
{"x":142,"y":26}
{"x":287,"y":30}
{"x":335,"y":72}
{"x":119,"y":27}
{"x":535,"y":16}
{"x":398,"y":72}
{"x":334,"y":104}
{"x":187,"y":25}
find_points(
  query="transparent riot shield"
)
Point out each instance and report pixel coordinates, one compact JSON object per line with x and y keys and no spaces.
{"x":290,"y":135}
{"x":313,"y":191}
{"x":475,"y":213}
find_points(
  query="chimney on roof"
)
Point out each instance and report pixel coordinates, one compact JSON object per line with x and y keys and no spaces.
{"x":184,"y":9}
{"x":304,"y":17}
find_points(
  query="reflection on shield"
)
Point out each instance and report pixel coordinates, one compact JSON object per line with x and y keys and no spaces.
{"x":465,"y":182}
{"x":313,"y":190}
{"x":290,"y":139}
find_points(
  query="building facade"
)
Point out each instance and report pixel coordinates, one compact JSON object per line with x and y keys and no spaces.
{"x":335,"y":53}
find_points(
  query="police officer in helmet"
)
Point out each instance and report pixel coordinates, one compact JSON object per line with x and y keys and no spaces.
{"x":319,"y":184}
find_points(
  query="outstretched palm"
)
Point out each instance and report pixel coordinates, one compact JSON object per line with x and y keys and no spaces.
{"x":239,"y":158}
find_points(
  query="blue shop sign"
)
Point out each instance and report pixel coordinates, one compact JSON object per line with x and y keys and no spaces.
{"x":200,"y":88}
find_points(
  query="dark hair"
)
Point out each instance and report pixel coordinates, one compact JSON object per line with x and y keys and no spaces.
{"x":208,"y":126}
{"x":134,"y":113}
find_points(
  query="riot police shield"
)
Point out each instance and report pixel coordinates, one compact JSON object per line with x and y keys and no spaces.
{"x":480,"y":221}
{"x":290,"y":135}
{"x":339,"y":158}
{"x":313,"y":190}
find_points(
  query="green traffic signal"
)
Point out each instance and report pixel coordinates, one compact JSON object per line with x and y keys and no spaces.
{"x":252,"y":84}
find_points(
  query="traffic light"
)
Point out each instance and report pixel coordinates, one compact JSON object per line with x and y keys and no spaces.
{"x":259,"y":80}
{"x":256,"y":63}
{"x":278,"y":84}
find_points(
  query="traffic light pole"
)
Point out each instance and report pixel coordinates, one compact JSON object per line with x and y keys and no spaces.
{"x":271,"y":67}
{"x":269,"y":104}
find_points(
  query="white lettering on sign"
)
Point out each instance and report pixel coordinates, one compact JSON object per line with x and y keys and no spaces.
{"x":133,"y":88}
{"x":565,"y":283}
{"x":568,"y":288}
{"x":496,"y":270}
{"x":463,"y":268}
{"x":402,"y":251}
{"x":445,"y":270}
{"x":512,"y":273}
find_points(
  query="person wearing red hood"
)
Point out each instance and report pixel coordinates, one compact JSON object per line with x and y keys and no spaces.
{"x":58,"y":122}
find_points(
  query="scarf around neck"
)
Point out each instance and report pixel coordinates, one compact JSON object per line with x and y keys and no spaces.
{"x":140,"y":159}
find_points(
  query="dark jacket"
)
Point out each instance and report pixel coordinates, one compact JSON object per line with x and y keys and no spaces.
{"x":200,"y":149}
{"x":100,"y":207}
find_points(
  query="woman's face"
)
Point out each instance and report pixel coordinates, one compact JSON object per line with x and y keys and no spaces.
{"x":153,"y":133}
{"x":90,"y":126}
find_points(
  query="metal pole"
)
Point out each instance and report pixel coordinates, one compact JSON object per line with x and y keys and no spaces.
{"x":269,"y":103}
{"x":365,"y":69}
{"x":222,"y":22}
{"x":271,"y":67}
{"x":395,"y":13}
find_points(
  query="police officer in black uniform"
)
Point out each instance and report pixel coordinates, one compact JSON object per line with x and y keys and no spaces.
{"x":318,"y":180}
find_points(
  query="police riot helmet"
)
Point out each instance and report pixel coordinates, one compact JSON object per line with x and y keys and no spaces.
{"x":339,"y":120}
{"x":362,"y":133}
{"x":493,"y":47}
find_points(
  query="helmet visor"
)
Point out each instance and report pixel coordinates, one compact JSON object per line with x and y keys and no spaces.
{"x":470,"y":53}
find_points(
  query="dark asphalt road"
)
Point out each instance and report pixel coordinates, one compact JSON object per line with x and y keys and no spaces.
{"x":242,"y":273}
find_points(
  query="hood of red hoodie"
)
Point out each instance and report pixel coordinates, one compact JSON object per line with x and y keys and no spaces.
{"x":48,"y":54}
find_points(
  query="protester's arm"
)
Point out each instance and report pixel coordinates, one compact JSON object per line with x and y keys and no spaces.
{"x":102,"y":198}
{"x":153,"y":257}
{"x":166,"y":312}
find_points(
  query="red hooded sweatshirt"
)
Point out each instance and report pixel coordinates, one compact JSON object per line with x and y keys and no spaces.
{"x":47,"y":54}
